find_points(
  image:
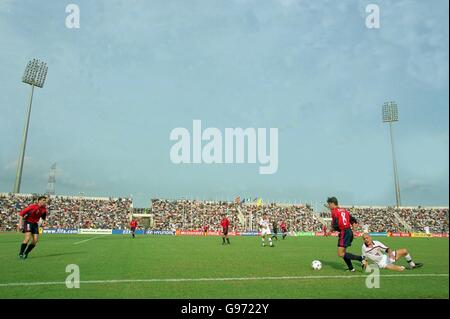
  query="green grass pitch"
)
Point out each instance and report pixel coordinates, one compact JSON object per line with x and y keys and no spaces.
{"x":105,"y":258}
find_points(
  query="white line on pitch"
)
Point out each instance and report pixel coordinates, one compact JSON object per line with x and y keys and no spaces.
{"x":210,"y":279}
{"x":83,"y":241}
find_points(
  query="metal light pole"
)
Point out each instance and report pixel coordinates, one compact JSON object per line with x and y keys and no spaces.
{"x":34,"y":75}
{"x":390,"y":115}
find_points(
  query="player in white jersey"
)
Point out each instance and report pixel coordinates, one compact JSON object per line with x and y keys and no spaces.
{"x":264,"y":225}
{"x":385,"y":257}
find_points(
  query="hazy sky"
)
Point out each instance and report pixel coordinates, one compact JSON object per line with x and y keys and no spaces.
{"x":135,"y":70}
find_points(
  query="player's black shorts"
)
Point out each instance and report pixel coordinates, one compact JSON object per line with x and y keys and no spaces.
{"x":30,"y":228}
{"x":225,"y":231}
{"x":345,"y":238}
{"x":133,"y":229}
{"x":275,"y":231}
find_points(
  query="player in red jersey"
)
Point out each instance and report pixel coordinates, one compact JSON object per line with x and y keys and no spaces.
{"x":342,"y":222}
{"x":29,"y":225}
{"x":205,"y":230}
{"x":283,"y":228}
{"x":133,"y":226}
{"x":225,"y":223}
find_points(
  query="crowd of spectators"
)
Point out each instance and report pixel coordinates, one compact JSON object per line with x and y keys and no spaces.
{"x":436,"y":219}
{"x":115,"y":213}
{"x":383,"y":219}
{"x":69,"y":211}
{"x":298,"y":218}
{"x":194,"y":215}
{"x":377,"y":219}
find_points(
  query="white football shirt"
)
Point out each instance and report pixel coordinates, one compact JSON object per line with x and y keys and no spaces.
{"x":265,"y":225}
{"x":376,"y":252}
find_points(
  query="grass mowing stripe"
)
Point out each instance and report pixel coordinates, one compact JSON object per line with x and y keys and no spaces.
{"x":212,"y":279}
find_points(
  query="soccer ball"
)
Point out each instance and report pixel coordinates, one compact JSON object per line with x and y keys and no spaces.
{"x":316,"y":265}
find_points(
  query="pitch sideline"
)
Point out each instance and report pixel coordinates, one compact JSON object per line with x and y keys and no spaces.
{"x":113,"y":281}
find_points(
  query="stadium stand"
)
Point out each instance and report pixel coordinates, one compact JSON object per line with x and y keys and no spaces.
{"x":408,"y":219}
{"x":192,"y":215}
{"x":377,"y":219}
{"x":69,"y":211}
{"x":297,"y":217}
{"x":115,"y":213}
{"x":435,"y":218}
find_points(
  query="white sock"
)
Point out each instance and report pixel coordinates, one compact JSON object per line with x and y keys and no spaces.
{"x":263,"y":242}
{"x":409,"y":260}
{"x":270,"y":241}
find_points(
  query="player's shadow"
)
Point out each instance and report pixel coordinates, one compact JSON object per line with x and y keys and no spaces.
{"x":333,"y":264}
{"x":60,"y":254}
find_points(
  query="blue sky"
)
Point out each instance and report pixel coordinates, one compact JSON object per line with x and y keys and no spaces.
{"x":135,"y":70}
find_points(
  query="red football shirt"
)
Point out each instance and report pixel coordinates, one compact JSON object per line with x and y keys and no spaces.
{"x":225,"y":223}
{"x":283,"y":226}
{"x":340,"y":218}
{"x":33,"y":213}
{"x":133,"y":223}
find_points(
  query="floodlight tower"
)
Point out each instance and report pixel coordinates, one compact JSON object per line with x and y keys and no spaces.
{"x":390,"y":115}
{"x":51,"y":180}
{"x":34,"y":75}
